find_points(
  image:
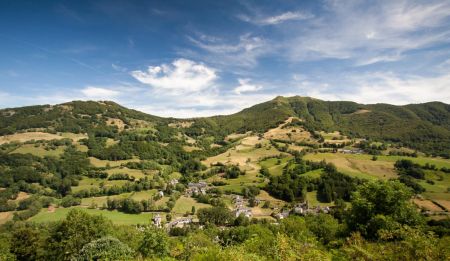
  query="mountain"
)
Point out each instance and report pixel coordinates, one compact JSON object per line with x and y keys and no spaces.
{"x":425,"y":127}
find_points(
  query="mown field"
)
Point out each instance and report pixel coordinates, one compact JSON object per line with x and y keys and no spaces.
{"x":115,"y":216}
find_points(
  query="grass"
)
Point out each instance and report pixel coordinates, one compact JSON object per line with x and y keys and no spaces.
{"x":313,"y":173}
{"x":143,"y":195}
{"x":361,"y":166}
{"x":103,"y":163}
{"x":314,"y":201}
{"x":185,"y":204}
{"x":87,"y":183}
{"x":115,"y":216}
{"x":27,"y":136}
{"x":73,"y":136}
{"x":39,"y":151}
{"x":132,"y":172}
{"x":274,"y":168}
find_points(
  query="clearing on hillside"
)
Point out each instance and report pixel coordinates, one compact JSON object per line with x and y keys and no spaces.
{"x":288,"y":133}
{"x":27,"y":136}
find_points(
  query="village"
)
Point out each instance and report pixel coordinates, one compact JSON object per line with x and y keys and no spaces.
{"x":240,"y":207}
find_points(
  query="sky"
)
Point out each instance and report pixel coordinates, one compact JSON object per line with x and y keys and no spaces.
{"x":201,"y":58}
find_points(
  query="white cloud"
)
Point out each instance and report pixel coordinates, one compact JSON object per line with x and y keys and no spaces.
{"x":384,"y":87}
{"x":370,"y":33}
{"x":242,"y":53}
{"x":182,"y":76}
{"x":119,"y":68}
{"x":246,"y":86}
{"x":92,"y":92}
{"x":277,"y":19}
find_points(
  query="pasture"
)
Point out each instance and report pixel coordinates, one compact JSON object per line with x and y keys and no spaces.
{"x":185,"y":204}
{"x":40,"y":150}
{"x":28,"y":136}
{"x":116,"y":217}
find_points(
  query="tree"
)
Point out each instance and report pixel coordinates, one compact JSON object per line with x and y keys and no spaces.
{"x":106,"y":248}
{"x":376,"y":199}
{"x":155,"y":243}
{"x":25,"y":242}
{"x":76,"y":230}
{"x":324,"y":226}
{"x":216,"y":215}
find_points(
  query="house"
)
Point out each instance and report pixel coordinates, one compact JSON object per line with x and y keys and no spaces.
{"x":282,"y":215}
{"x":161,"y":193}
{"x":196,"y":188}
{"x":352,"y":151}
{"x":301,"y":208}
{"x":242,"y":210}
{"x":157,"y":220}
{"x":173,"y":182}
{"x":181,"y":222}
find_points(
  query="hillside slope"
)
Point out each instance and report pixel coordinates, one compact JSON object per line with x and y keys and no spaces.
{"x":425,"y":127}
{"x":422,"y":126}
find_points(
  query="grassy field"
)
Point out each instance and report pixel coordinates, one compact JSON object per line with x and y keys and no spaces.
{"x":6,"y":216}
{"x":39,"y":151}
{"x":132,"y":172}
{"x":358,"y":165}
{"x":103,"y":163}
{"x":184,"y":204}
{"x":73,"y":136}
{"x":27,"y":136}
{"x":115,"y":216}
{"x":314,"y":201}
{"x":273,"y":166}
{"x":87,"y":183}
{"x":247,"y":157}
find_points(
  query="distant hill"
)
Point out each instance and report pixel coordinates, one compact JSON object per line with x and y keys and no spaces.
{"x":425,"y":127}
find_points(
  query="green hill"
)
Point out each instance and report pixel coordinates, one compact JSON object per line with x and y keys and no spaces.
{"x":425,"y":127}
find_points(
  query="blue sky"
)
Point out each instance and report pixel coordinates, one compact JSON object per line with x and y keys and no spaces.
{"x":201,"y":58}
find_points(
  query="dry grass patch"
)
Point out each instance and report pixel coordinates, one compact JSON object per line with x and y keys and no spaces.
{"x":5,"y":217}
{"x":73,"y":136}
{"x":236,"y":136}
{"x":362,"y":111}
{"x":116,"y":122}
{"x":181,"y":124}
{"x":444,"y":203}
{"x":103,"y":163}
{"x":190,"y":148}
{"x":357,"y":165}
{"x":291,"y":133}
{"x":27,"y":136}
{"x":427,"y":205}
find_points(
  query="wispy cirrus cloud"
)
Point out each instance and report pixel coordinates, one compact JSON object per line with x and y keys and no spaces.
{"x":276,"y":19}
{"x":370,"y":33}
{"x":242,"y":52}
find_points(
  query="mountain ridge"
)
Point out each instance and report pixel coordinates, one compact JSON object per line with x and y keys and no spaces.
{"x":423,"y":126}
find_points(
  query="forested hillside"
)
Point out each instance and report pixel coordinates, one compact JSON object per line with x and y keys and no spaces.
{"x":425,"y":127}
